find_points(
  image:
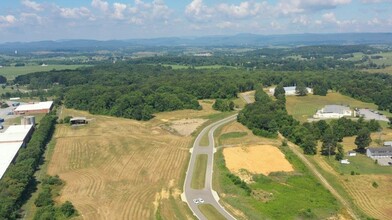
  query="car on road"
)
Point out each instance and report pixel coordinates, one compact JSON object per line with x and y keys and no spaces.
{"x":201,"y":200}
{"x":196,"y":201}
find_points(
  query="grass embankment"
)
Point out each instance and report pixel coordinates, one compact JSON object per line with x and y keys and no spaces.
{"x":304,"y":107}
{"x":11,"y":72}
{"x":199,"y":172}
{"x":210,"y":212}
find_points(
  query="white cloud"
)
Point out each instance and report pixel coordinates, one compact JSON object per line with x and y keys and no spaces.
{"x":375,"y":1}
{"x":300,"y":6}
{"x":33,"y":5}
{"x":238,"y":11}
{"x":302,"y":19}
{"x":331,"y":18}
{"x":31,"y":18}
{"x":6,"y":21}
{"x":75,"y":13}
{"x":119,"y":10}
{"x":225,"y":25}
{"x":160,"y":9}
{"x":197,"y":11}
{"x":101,"y":5}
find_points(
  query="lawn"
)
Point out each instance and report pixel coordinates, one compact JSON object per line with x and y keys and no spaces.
{"x":11,"y":72}
{"x":210,"y":212}
{"x":304,"y":107}
{"x":199,"y":172}
{"x":360,"y":164}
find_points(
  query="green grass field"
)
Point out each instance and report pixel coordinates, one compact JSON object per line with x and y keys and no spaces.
{"x":304,"y":107}
{"x":12,"y":72}
{"x":360,"y":164}
{"x":199,"y":172}
{"x":210,"y":212}
{"x":296,"y":195}
{"x":231,"y":135}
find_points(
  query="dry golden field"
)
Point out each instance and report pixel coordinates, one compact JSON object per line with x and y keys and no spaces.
{"x":256,"y":159}
{"x":117,"y":168}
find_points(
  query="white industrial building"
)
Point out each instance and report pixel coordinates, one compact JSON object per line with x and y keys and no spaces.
{"x":15,"y":137}
{"x":290,"y":90}
{"x":36,"y":108}
{"x":333,"y":111}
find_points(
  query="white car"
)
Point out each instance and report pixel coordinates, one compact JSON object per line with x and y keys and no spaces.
{"x":201,"y":200}
{"x":196,"y":201}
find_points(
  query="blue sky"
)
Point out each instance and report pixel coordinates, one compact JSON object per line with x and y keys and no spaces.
{"x":32,"y":20}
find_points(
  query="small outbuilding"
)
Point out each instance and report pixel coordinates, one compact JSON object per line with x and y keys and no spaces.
{"x":352,"y":153}
{"x":345,"y":161}
{"x":388,"y":144}
{"x":78,"y":121}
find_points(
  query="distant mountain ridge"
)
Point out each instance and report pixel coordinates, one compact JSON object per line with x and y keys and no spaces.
{"x":251,"y":40}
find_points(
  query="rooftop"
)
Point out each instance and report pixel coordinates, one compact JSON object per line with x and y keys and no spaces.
{"x":340,"y":109}
{"x":10,"y":142}
{"x":381,"y":151}
{"x":7,"y":154}
{"x":35,"y":106}
{"x":15,"y":133}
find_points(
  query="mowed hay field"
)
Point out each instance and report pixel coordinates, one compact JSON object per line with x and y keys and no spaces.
{"x":117,"y":168}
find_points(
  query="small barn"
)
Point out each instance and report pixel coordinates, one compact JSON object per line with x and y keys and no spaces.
{"x":379,"y":152}
{"x":352,"y":153}
{"x":78,"y":121}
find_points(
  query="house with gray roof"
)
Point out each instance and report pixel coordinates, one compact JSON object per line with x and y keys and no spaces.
{"x":333,"y":111}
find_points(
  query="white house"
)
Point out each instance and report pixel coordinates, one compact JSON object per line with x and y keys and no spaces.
{"x":290,"y":90}
{"x":333,"y":111}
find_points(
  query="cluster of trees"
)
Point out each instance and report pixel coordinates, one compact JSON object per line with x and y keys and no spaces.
{"x":45,"y":204}
{"x":19,"y":175}
{"x":266,"y":118}
{"x":224,"y":105}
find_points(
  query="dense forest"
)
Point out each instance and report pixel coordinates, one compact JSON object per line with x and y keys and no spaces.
{"x":139,"y":91}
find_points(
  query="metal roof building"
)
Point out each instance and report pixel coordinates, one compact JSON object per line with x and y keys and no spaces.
{"x":333,"y":111}
{"x":379,"y":152}
{"x":15,"y":137}
{"x":36,"y":108}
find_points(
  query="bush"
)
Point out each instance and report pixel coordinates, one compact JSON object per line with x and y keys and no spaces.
{"x":67,"y":209}
{"x":67,"y":119}
{"x":44,"y":198}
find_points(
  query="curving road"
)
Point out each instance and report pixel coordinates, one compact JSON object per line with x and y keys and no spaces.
{"x":207,"y":193}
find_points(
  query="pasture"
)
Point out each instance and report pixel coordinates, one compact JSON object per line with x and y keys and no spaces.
{"x":116,"y":168}
{"x":11,"y":72}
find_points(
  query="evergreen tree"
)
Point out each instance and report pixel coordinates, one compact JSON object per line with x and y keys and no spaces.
{"x":363,"y":139}
{"x":320,"y":89}
{"x":329,"y":142}
{"x":340,"y":154}
{"x":300,"y":89}
{"x":279,"y":90}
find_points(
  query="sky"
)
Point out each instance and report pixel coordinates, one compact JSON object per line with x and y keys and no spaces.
{"x":34,"y":20}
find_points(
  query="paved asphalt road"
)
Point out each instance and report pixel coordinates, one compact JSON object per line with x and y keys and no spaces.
{"x":207,"y":194}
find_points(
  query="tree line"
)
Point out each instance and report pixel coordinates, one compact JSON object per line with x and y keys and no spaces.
{"x":19,"y":175}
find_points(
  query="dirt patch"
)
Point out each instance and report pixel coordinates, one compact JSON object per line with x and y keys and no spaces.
{"x":259,"y":159}
{"x":186,"y":127}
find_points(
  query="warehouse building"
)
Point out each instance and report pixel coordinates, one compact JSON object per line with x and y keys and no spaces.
{"x":333,"y":111}
{"x":36,"y":108}
{"x":15,"y":137}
